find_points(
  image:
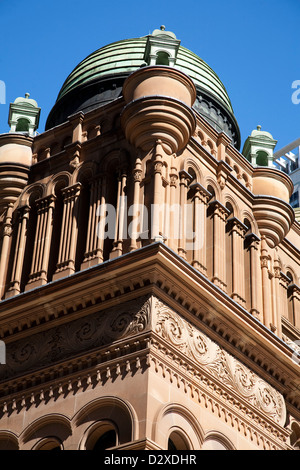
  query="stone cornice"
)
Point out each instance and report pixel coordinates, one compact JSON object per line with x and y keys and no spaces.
{"x":156,"y":269}
{"x":146,"y":338}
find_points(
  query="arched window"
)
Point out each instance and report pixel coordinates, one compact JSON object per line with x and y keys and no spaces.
{"x":210,"y":232}
{"x":49,"y":443}
{"x":177,"y":441}
{"x":229,"y":250}
{"x":107,"y":440}
{"x":190,"y":222}
{"x":162,"y":58}
{"x":247,"y":264}
{"x":290,"y":298}
{"x":102,"y":436}
{"x":22,"y":125}
{"x":262,"y":158}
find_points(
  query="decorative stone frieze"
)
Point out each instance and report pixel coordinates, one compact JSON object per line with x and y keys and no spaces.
{"x":209,"y":358}
{"x":85,"y":334}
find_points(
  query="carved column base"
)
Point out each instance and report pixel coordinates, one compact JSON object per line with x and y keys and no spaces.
{"x":237,"y":298}
{"x":197,"y":265}
{"x":13,"y":290}
{"x":219,"y":283}
{"x":91,"y":259}
{"x":64,"y":271}
{"x":36,"y":280}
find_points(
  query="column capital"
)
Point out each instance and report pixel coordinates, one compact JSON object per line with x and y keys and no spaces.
{"x":72,"y":191}
{"x":200,"y":192}
{"x":237,"y":225}
{"x":219,"y":209}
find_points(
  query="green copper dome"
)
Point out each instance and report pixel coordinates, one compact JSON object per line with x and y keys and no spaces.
{"x":98,"y":79}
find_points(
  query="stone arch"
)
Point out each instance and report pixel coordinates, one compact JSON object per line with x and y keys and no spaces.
{"x":116,"y":412}
{"x":210,"y":182}
{"x":212,"y":147}
{"x":229,"y":200}
{"x":34,"y":191}
{"x":290,"y":273}
{"x":114,"y":159}
{"x":84,"y":172}
{"x":249,"y":216}
{"x":48,"y":443}
{"x":190,"y":163}
{"x":104,"y":430}
{"x":52,"y":426}
{"x":58,"y":181}
{"x":215,"y":440}
{"x":176,"y":418}
{"x":236,"y":171}
{"x":8,"y":441}
{"x":228,"y":160}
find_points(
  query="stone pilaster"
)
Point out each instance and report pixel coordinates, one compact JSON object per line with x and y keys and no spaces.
{"x":5,"y":248}
{"x":219,"y":214}
{"x":94,"y":242}
{"x":137,"y":178}
{"x":42,"y":242}
{"x":120,"y":215}
{"x":200,"y":200}
{"x":184,"y":179}
{"x":15,"y":284}
{"x":69,"y":232}
{"x":237,"y":234}
{"x":255,"y":274}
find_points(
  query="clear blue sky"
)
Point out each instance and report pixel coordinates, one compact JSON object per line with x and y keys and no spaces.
{"x":254,"y":47}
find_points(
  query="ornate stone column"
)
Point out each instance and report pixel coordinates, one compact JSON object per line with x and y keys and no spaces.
{"x":294,"y":296}
{"x":255,"y":288}
{"x":237,"y":233}
{"x":94,"y":243}
{"x":156,"y":215}
{"x":120,"y":215}
{"x":41,"y":251}
{"x":137,"y":178}
{"x":15,"y":283}
{"x":200,"y":199}
{"x":6,"y":237}
{"x":184,"y":179}
{"x":266,"y":284}
{"x":174,"y":208}
{"x":220,"y":214}
{"x":67,"y":246}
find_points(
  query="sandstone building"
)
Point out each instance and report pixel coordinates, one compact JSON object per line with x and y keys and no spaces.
{"x":149,"y":271}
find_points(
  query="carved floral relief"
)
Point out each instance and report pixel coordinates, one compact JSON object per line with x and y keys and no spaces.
{"x":86,"y":333}
{"x":222,"y":365}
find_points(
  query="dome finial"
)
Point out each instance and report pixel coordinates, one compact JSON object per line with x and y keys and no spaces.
{"x":162,"y":28}
{"x":258,"y":127}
